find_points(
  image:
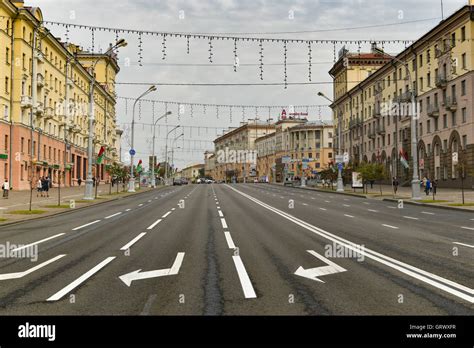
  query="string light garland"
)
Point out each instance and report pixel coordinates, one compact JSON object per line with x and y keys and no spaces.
{"x":140,"y":49}
{"x":261,"y":59}
{"x":284,"y":63}
{"x":310,"y":59}
{"x":163,"y":48}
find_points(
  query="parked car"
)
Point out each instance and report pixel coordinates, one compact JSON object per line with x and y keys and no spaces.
{"x":177,"y":182}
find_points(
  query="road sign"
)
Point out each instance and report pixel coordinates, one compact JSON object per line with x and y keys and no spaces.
{"x":132,"y":152}
{"x":345,"y":158}
{"x":455,"y":158}
{"x":305,"y":163}
{"x":339,"y":158}
{"x":339,"y":166}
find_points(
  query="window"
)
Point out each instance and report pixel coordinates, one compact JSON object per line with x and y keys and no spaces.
{"x":5,"y":113}
{"x":463,"y":87}
{"x":428,"y":126}
{"x":464,"y":115}
{"x":421,"y":60}
{"x":22,"y":145}
{"x":330,"y":155}
{"x":388,"y":139}
{"x":7,"y":55}
{"x":453,"y":40}
{"x":463,"y":34}
{"x":428,"y":79}
{"x":6,"y":143}
{"x":23,"y":61}
{"x":445,"y":145}
{"x":453,"y":118}
{"x":22,"y":170}
{"x":464,"y":141}
{"x":421,"y":83}
{"x":6,"y":85}
{"x":435,"y":124}
{"x":464,"y":61}
{"x":29,"y":147}
{"x":445,"y":121}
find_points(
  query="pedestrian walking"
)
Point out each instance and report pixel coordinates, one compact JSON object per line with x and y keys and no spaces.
{"x":427,"y":186}
{"x":39,"y":188}
{"x":79,"y":181}
{"x":45,"y":186}
{"x":6,"y":188}
{"x":435,"y":186}
{"x":395,"y":184}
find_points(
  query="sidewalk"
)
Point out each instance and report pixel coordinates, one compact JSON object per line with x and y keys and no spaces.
{"x":18,"y":201}
{"x":445,"y":197}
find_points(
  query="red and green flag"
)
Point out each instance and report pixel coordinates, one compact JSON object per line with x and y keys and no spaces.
{"x":139,"y":166}
{"x":101,"y":155}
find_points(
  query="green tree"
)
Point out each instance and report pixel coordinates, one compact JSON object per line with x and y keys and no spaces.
{"x":372,"y":172}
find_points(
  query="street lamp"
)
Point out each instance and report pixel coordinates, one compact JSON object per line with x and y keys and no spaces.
{"x":131,"y":182}
{"x":166,"y":152}
{"x":89,"y":188}
{"x":340,"y":186}
{"x":153,"y":181}
{"x":172,"y":148}
{"x":415,"y":183}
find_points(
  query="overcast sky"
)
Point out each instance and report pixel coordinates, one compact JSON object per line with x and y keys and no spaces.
{"x":232,"y":16}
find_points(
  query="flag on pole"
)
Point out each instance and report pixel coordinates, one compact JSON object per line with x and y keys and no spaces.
{"x":100,"y":156}
{"x":139,"y":166}
{"x":403,"y":159}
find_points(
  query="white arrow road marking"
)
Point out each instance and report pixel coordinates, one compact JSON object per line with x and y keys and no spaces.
{"x":432,"y":279}
{"x":57,"y":296}
{"x":133,"y":241}
{"x":154,"y":224}
{"x":314,"y":273}
{"x":135,"y":275}
{"x":90,"y":223}
{"x":111,"y":216}
{"x":247,"y":287}
{"x":38,"y":242}
{"x":469,"y":246}
{"x":31,"y":270}
{"x":229,"y":240}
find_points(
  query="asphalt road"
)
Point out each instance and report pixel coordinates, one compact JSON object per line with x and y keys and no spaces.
{"x":242,"y":249}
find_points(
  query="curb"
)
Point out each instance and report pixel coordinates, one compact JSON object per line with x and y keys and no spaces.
{"x":319,"y":190}
{"x":71,"y":210}
{"x":430,"y":205}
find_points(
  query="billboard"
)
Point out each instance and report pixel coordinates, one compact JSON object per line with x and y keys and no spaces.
{"x":357,"y":180}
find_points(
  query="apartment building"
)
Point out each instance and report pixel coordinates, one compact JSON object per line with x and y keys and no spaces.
{"x":375,"y":114}
{"x":44,"y":101}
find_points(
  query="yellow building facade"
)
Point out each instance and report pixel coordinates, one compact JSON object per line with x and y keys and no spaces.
{"x":44,"y":102}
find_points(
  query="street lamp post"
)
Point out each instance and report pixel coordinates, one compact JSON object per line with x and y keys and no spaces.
{"x":166,"y":152}
{"x":153,"y":181}
{"x":340,"y":186}
{"x":415,"y":183}
{"x":172,"y":148}
{"x":89,"y":189}
{"x":131,"y":182}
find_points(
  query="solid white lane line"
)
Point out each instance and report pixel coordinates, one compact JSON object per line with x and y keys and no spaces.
{"x":468,"y":228}
{"x":410,"y":217}
{"x":373,"y":210}
{"x":173,"y":209}
{"x":90,"y":223}
{"x":128,"y":209}
{"x":322,"y":208}
{"x":140,"y":204}
{"x":432,"y":279}
{"x":348,"y":215}
{"x":224,"y":223}
{"x":111,"y":216}
{"x":133,"y":241}
{"x":168,"y":213}
{"x":57,"y":296}
{"x":38,"y":242}
{"x":427,"y":213}
{"x":390,"y":226}
{"x":468,"y":245}
{"x":229,"y":240}
{"x":154,"y":224}
{"x":220,"y":213}
{"x":249,"y":292}
{"x":17,"y":275}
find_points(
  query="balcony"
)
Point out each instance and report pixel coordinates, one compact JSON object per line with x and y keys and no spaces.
{"x":403,"y":98}
{"x":433,"y":110}
{"x":26,"y":102}
{"x":39,"y":108}
{"x":381,"y":129}
{"x":441,"y":81}
{"x":354,"y":123}
{"x":40,"y":80}
{"x":451,"y":104}
{"x":371,"y":134}
{"x":376,"y":112}
{"x":48,"y":112}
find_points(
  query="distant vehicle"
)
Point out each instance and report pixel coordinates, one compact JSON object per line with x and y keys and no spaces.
{"x":177,"y":182}
{"x":255,"y":181}
{"x":198,"y":181}
{"x":184,"y":181}
{"x":209,"y":181}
